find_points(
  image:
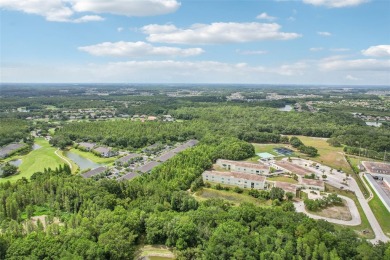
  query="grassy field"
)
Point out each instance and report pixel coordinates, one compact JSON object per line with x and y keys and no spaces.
{"x":282,"y":179}
{"x":365,"y":225}
{"x":328,"y":155}
{"x":154,"y":252}
{"x":36,"y":161}
{"x":235,"y":198}
{"x":93,"y":157}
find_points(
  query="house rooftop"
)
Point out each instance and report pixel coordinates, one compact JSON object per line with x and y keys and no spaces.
{"x":377,"y":167}
{"x":148,"y":167}
{"x":127,"y":176}
{"x":293,"y":168}
{"x":237,"y":175}
{"x":287,"y":187}
{"x":94,"y":172}
{"x":312,"y":182}
{"x":87,"y":145}
{"x":128,"y":157}
{"x":102,"y":149}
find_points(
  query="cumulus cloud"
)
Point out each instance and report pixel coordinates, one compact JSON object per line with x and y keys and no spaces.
{"x":265,"y":16}
{"x":217,"y":33}
{"x":336,"y":63}
{"x":335,"y":3}
{"x":137,"y":49}
{"x":325,"y":34}
{"x":65,"y":10}
{"x":377,"y":51}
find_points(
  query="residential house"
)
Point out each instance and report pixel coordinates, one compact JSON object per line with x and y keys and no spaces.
{"x":94,"y":172}
{"x":289,"y":167}
{"x":287,"y":187}
{"x":239,"y":179}
{"x":105,"y":151}
{"x":148,"y":167}
{"x":127,"y":158}
{"x":245,"y":167}
{"x":127,"y":176}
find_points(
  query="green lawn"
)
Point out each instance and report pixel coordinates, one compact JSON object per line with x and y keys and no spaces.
{"x":365,"y":225}
{"x":233,"y":197}
{"x":282,"y":179}
{"x":93,"y":157}
{"x":36,"y":161}
{"x":328,"y":155}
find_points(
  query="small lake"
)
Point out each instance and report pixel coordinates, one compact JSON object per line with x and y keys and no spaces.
{"x":376,"y":124}
{"x":81,"y":161}
{"x":36,"y":146}
{"x":16,"y":162}
{"x":286,"y":108}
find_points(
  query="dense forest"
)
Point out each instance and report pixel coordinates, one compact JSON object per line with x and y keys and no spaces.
{"x":252,"y":124}
{"x":12,"y":130}
{"x":107,"y":219}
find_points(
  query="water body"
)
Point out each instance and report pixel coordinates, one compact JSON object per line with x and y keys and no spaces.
{"x":376,"y":124}
{"x":81,"y":161}
{"x":16,"y":162}
{"x":286,"y":108}
{"x":36,"y":146}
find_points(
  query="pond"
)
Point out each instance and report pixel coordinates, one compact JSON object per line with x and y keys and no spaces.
{"x":376,"y":124}
{"x":286,"y":108}
{"x":81,"y":161}
{"x":36,"y":146}
{"x":16,"y":162}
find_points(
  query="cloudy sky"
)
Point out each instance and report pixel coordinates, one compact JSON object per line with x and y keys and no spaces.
{"x":196,"y":41}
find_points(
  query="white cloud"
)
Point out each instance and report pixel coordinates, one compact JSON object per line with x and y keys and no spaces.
{"x":249,"y":52}
{"x":316,"y":49}
{"x":137,"y":49}
{"x":88,"y":18}
{"x":377,"y":51}
{"x":352,"y":78}
{"x":335,"y":3}
{"x":325,"y":34}
{"x":294,"y":69}
{"x":127,"y":7}
{"x":217,"y":33}
{"x":65,"y":10}
{"x":265,"y":16}
{"x":119,"y":29}
{"x":337,"y":63}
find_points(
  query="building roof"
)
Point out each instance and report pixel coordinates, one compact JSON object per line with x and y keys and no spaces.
{"x":293,"y":168}
{"x":102,"y":149}
{"x":127,"y":176}
{"x":9,"y":148}
{"x":237,"y":175}
{"x":94,"y":172}
{"x":245,"y":164}
{"x":148,"y":167}
{"x":311,"y":182}
{"x":287,"y":187}
{"x":377,"y":167}
{"x":128,"y":157}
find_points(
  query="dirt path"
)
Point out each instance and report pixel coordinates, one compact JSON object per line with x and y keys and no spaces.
{"x":63,"y":158}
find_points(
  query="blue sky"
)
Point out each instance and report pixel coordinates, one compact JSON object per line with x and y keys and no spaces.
{"x":344,"y":42}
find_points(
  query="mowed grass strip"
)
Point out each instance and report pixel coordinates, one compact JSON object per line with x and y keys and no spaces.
{"x":282,"y":179}
{"x":36,"y":161}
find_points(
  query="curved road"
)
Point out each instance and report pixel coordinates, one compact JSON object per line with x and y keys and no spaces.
{"x":355,"y":221}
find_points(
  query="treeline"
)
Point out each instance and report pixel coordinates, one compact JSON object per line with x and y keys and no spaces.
{"x":107,"y":219}
{"x":12,"y":130}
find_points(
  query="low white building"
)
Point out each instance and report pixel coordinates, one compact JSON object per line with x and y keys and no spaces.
{"x":239,"y":179}
{"x":245,"y":167}
{"x":312,"y":184}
